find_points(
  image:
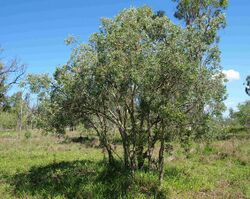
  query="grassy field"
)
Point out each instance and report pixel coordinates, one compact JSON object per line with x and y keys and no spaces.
{"x":35,"y":166}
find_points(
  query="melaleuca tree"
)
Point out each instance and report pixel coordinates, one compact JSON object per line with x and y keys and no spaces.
{"x":192,"y":10}
{"x":134,"y":76}
{"x":142,"y":76}
{"x":203,"y":19}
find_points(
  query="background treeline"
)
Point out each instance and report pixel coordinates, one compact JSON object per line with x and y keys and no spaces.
{"x":19,"y":113}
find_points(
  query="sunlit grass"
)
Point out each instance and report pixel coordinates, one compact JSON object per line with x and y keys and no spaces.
{"x":47,"y":167}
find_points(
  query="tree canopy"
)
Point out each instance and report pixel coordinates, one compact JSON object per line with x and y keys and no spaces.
{"x":242,"y":115}
{"x":144,"y":77}
{"x":247,"y":89}
{"x":10,"y":73}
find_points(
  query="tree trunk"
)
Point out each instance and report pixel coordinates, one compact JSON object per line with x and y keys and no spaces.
{"x":125,"y":146}
{"x":161,"y":158}
{"x":110,"y":155}
{"x":140,"y":157}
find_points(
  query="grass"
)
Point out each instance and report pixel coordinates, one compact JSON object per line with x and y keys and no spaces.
{"x":38,"y":166}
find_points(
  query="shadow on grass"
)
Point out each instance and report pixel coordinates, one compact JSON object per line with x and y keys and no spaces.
{"x":89,"y":141}
{"x":85,"y":179}
{"x":78,"y":179}
{"x":92,"y":141}
{"x":82,"y":139}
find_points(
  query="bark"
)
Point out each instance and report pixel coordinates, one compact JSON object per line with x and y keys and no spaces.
{"x":111,"y":159}
{"x":125,"y":146}
{"x":161,"y":157}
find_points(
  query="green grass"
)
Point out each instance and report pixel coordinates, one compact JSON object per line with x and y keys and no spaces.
{"x":38,"y":166}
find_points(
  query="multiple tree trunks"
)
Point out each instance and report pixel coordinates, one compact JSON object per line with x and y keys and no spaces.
{"x":144,"y":77}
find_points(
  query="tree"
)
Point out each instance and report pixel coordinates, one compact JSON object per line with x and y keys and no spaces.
{"x":40,"y":86}
{"x":208,"y":10}
{"x":247,"y":89}
{"x":204,"y":18}
{"x":16,"y":112}
{"x":242,"y":115}
{"x":10,"y":73}
{"x":142,"y":76}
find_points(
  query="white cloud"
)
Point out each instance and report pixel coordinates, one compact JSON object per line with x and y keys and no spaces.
{"x":231,"y":74}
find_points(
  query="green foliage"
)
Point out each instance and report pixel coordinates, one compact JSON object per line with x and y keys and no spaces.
{"x":142,"y":76}
{"x":16,"y":114}
{"x":193,"y":10}
{"x":242,"y":115}
{"x":27,"y":134}
{"x":8,"y":120}
{"x":237,"y":125}
{"x":38,"y":84}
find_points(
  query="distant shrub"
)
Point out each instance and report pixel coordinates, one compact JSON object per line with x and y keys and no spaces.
{"x":8,"y":120}
{"x":27,"y":135}
{"x":208,"y":150}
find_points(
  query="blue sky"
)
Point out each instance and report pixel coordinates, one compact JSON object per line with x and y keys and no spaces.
{"x":34,"y":31}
